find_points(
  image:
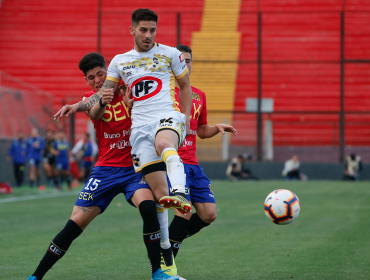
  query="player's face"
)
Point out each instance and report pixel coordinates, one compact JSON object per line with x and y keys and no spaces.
{"x":20,"y":135}
{"x":188,"y":60}
{"x":50,"y":135}
{"x":95,"y":77}
{"x":34,"y":132}
{"x":144,"y":35}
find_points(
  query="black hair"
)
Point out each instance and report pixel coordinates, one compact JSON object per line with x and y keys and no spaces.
{"x":90,"y":61}
{"x":184,"y":48}
{"x":143,"y":14}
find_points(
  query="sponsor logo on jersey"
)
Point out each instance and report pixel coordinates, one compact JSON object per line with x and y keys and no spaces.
{"x":128,"y":74}
{"x":192,"y":132}
{"x":145,"y":87}
{"x":128,"y":67}
{"x":112,"y":136}
{"x":187,"y":143}
{"x":120,"y":145}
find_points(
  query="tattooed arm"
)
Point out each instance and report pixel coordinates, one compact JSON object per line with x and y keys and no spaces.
{"x":97,"y":112}
{"x":87,"y":104}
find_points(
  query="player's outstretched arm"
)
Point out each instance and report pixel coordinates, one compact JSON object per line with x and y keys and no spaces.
{"x":87,"y":104}
{"x":207,"y":131}
{"x":185,"y":97}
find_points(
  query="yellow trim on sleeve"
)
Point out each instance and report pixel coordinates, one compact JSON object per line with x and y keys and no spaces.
{"x":183,"y":74}
{"x":166,"y":154}
{"x":146,"y":164}
{"x":113,"y":79}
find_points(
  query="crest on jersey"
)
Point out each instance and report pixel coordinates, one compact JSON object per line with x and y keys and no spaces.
{"x":210,"y":188}
{"x":145,"y":87}
{"x":136,"y":160}
{"x":196,"y":96}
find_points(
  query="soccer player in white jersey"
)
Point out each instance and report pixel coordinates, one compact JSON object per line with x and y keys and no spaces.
{"x":150,"y":72}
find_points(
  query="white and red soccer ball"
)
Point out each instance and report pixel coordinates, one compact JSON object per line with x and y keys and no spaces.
{"x":282,"y":207}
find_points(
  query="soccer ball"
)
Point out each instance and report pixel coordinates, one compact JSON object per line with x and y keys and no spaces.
{"x":282,"y":207}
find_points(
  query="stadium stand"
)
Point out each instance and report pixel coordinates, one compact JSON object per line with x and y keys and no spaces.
{"x":301,"y":52}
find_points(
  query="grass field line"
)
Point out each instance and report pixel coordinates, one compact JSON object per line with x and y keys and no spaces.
{"x":38,"y":196}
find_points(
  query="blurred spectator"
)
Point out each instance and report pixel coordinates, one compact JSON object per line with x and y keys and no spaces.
{"x":18,"y":152}
{"x":292,"y":171}
{"x":353,"y":167}
{"x":35,"y":150}
{"x":85,"y":151}
{"x":236,"y":169}
{"x":61,"y":146}
{"x":49,"y":158}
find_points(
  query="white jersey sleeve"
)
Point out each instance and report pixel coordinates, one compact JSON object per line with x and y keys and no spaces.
{"x":113,"y":72}
{"x":178,"y":65}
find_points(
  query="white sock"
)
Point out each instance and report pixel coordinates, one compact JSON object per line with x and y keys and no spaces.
{"x":163,"y":223}
{"x":175,"y":169}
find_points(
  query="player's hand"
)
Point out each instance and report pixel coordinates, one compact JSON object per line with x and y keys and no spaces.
{"x":127,"y":97}
{"x":65,"y":110}
{"x":107,"y":96}
{"x":226,"y":128}
{"x":187,"y":124}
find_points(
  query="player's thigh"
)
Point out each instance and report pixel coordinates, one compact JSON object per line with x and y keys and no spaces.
{"x":140,"y":195}
{"x":83,"y":216}
{"x":158,"y":183}
{"x":47,"y":169}
{"x":166,"y":138}
{"x":206,"y":211}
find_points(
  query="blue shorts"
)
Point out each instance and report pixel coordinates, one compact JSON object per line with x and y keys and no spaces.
{"x":62,"y":165}
{"x":34,"y":162}
{"x":86,"y":164}
{"x":198,"y":187}
{"x":105,"y":182}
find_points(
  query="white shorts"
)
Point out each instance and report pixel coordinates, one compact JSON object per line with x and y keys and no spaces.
{"x":142,"y":138}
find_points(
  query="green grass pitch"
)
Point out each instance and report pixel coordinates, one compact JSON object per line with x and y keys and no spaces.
{"x":329,"y":240}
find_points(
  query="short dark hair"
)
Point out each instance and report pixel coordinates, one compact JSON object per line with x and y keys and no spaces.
{"x":90,"y":61}
{"x":184,"y":48}
{"x":143,"y":14}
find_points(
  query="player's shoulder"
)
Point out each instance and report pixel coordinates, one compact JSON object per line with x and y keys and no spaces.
{"x":122,"y":56}
{"x":165,"y":49}
{"x":87,"y":94}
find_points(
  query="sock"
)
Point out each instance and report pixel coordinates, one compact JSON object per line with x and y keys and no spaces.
{"x":56,"y":181}
{"x":151,"y":233}
{"x":58,"y":248}
{"x":177,"y":233}
{"x":195,"y":225}
{"x":32,"y":183}
{"x":50,"y":181}
{"x":162,"y":215}
{"x":175,"y":169}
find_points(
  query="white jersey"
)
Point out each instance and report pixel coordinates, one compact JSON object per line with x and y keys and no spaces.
{"x":151,"y":76}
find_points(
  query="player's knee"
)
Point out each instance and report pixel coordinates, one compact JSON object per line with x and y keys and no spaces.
{"x":147,"y":208}
{"x":163,"y":144}
{"x":208,"y":217}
